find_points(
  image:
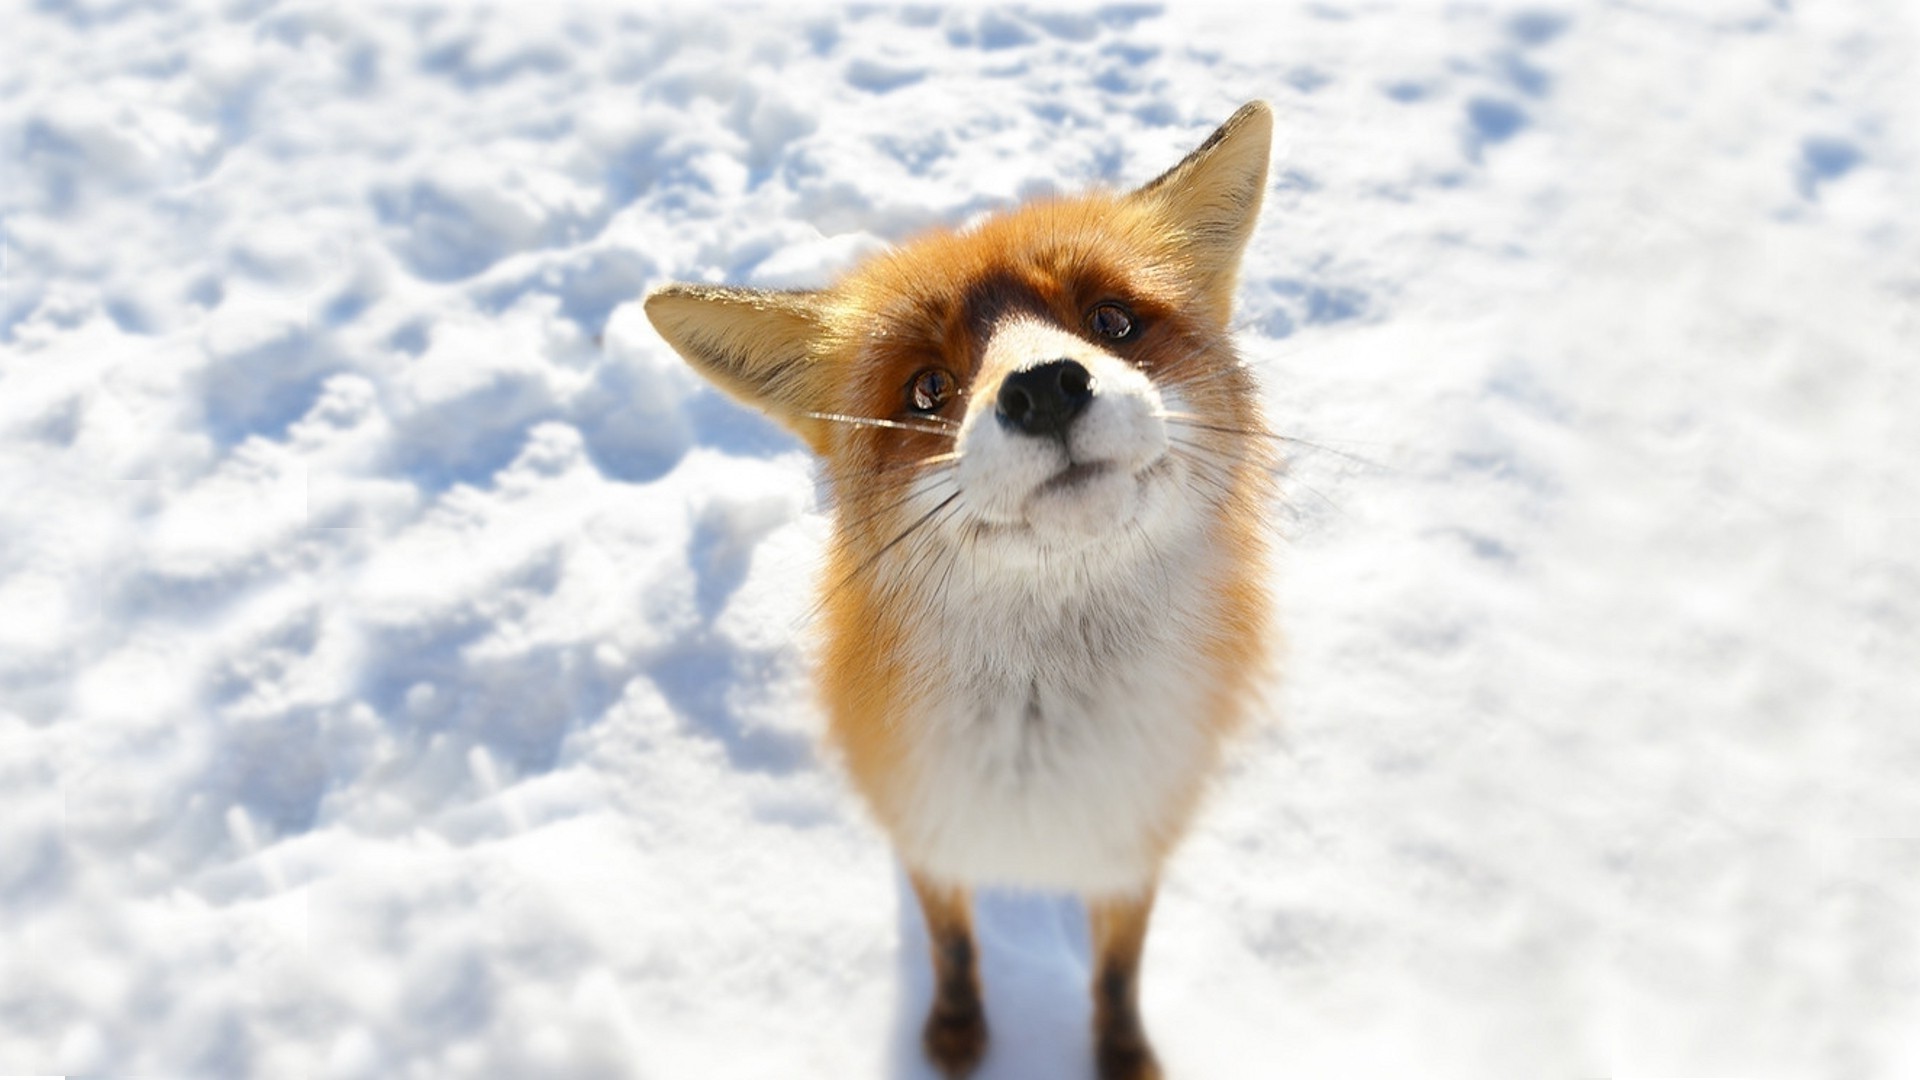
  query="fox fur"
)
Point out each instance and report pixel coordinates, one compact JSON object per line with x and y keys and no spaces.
{"x":1045,"y":601}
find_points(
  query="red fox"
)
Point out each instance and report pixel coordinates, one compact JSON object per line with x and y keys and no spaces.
{"x":1045,"y":600}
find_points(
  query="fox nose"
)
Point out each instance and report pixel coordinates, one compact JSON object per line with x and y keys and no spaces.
{"x":1044,"y":399}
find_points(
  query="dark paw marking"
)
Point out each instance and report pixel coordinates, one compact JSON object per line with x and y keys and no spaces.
{"x":1126,"y":1057}
{"x":956,"y":1037}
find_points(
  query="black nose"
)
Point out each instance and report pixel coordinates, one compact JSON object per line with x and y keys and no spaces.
{"x":1045,"y":398}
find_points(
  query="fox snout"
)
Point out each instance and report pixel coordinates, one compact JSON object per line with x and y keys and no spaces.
{"x":1058,"y":439}
{"x":1045,"y":398}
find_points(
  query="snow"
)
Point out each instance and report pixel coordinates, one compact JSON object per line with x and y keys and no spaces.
{"x":402,"y":656}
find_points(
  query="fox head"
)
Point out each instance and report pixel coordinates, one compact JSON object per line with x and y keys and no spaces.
{"x":1056,"y":379}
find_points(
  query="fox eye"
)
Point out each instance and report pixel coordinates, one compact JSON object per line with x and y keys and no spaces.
{"x":1111,"y":321}
{"x":931,"y":388}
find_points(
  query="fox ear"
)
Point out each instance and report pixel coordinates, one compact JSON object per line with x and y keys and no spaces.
{"x":757,"y":345}
{"x":1211,"y":200}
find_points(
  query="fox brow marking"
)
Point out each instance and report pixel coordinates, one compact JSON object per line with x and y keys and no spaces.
{"x":990,"y":297}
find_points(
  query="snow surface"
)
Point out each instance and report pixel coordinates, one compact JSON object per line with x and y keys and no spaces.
{"x":402,"y":655}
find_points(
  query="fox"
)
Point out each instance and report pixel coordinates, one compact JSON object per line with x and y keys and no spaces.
{"x":1045,"y":603}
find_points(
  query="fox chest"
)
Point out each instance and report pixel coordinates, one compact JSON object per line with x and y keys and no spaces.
{"x":1060,"y":759}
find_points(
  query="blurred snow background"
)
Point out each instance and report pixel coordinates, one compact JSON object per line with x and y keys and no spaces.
{"x":401,"y":655}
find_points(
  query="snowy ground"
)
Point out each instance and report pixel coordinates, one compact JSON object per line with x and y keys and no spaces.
{"x":400,"y":653}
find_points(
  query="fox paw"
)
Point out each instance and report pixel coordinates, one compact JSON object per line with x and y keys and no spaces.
{"x":956,"y":1039}
{"x":1126,"y":1059}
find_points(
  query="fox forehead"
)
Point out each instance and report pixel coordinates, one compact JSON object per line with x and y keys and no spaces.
{"x":1049,"y":258}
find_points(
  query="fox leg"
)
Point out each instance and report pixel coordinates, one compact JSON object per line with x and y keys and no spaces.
{"x":1119,"y":926}
{"x":956,"y":1033}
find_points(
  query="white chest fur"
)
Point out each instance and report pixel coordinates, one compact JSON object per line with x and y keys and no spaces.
{"x":1061,"y":733}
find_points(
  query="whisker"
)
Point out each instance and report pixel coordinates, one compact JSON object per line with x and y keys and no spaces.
{"x":924,"y":548}
{"x":1316,"y":493}
{"x":1271,"y":465}
{"x":902,"y":466}
{"x":1193,"y":421}
{"x":824,"y":594}
{"x":953,"y":560}
{"x":919,"y":557}
{"x":869,"y":562}
{"x":911,"y":493}
{"x":1210,"y":376}
{"x":933,"y":425}
{"x":1206,"y":462}
{"x":1208,"y":471}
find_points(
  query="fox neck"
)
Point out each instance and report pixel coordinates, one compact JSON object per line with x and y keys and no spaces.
{"x":1065,"y":620}
{"x":1040,"y":730}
